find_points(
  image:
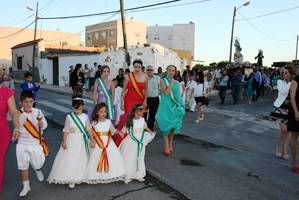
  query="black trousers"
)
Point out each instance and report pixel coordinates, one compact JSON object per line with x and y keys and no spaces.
{"x":222,"y":93}
{"x":152,"y":105}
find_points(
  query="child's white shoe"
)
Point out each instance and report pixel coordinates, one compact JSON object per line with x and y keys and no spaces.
{"x":40,"y":175}
{"x":26,"y":189}
{"x":71,"y":185}
{"x":141,"y":180}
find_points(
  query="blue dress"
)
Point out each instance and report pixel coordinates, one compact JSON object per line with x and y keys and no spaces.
{"x":169,"y":115}
{"x":249,"y":88}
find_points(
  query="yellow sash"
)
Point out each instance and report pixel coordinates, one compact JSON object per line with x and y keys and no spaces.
{"x":133,"y":81}
{"x":28,"y":125}
{"x":103,"y":162}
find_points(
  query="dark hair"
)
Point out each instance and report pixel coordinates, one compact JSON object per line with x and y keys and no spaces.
{"x":200,"y":77}
{"x":76,"y":103}
{"x":26,"y":94}
{"x":160,"y":69}
{"x":127,"y":71}
{"x":290,"y":69}
{"x":138,"y":61}
{"x":104,"y":67}
{"x":174,"y":69}
{"x":99,"y":106}
{"x":78,"y":66}
{"x":99,"y":67}
{"x":27,"y":74}
{"x":95,"y":63}
{"x":129,"y":122}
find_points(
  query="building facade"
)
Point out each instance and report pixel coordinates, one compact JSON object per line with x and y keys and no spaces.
{"x":110,"y":35}
{"x":179,"y":37}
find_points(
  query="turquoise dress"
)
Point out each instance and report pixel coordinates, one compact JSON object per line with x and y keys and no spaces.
{"x":169,"y":115}
{"x":249,"y":88}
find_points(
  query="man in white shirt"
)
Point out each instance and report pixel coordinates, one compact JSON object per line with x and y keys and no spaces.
{"x":190,"y":93}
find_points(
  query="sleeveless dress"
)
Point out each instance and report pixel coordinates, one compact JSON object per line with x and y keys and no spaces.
{"x":6,"y":93}
{"x":167,"y":117}
{"x":70,"y":164}
{"x":116,"y":170}
{"x":134,"y":164}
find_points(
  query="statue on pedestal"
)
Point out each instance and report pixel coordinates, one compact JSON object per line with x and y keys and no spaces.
{"x":259,"y":58}
{"x":238,"y":57}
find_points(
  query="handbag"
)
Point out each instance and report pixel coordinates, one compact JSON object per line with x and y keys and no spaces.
{"x":282,"y":111}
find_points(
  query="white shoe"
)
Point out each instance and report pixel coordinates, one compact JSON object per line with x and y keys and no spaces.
{"x":141,"y":180}
{"x":201,"y":118}
{"x":71,"y":185}
{"x":197,"y":121}
{"x":40,"y":175}
{"x":127,"y":181}
{"x":26,"y":189}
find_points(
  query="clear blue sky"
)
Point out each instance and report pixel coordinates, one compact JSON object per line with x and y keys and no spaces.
{"x":212,"y":20}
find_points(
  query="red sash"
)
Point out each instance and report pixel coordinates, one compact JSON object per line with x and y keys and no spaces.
{"x":33,"y":131}
{"x":103,"y":162}
{"x":134,"y":83}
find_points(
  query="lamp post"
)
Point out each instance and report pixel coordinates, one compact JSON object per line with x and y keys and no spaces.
{"x":233,"y":26}
{"x":34,"y":37}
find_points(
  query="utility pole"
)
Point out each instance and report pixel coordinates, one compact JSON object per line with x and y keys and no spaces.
{"x":232,"y":36}
{"x":34,"y":38}
{"x":296,"y":57}
{"x":127,"y":56}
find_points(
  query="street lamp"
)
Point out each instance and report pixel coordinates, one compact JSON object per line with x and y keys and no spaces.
{"x":233,"y":26}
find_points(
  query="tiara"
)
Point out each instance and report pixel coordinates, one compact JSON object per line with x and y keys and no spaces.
{"x":77,"y":98}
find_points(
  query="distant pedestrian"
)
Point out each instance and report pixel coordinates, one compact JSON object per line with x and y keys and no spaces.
{"x":120,"y":77}
{"x":92,"y":75}
{"x":249,"y":91}
{"x":190,"y":93}
{"x":77,"y":81}
{"x":117,"y":101}
{"x":223,"y":85}
{"x":98,"y":72}
{"x":5,"y":79}
{"x":236,"y":83}
{"x":30,"y":85}
{"x":86,"y":73}
{"x":201,"y":90}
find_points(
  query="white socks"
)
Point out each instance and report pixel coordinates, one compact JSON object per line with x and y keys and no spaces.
{"x":40,"y":175}
{"x":26,"y":189}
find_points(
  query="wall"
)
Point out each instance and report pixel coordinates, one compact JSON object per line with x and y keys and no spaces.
{"x":26,"y":53}
{"x":65,"y":62}
{"x":160,"y":34}
{"x":46,"y":70}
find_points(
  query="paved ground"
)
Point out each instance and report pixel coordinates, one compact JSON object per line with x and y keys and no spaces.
{"x":227,"y":156}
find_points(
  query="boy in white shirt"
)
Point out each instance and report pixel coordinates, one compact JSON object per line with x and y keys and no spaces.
{"x":31,"y":147}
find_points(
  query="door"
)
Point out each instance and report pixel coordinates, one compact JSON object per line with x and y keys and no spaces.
{"x":55,"y":71}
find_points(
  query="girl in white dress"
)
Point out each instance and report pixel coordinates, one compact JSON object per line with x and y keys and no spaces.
{"x":105,"y":164}
{"x":71,"y":160}
{"x":133,"y":146}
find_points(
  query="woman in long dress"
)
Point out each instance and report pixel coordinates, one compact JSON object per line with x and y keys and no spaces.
{"x":134,"y":92}
{"x":7,"y":103}
{"x":104,"y":91}
{"x":171,"y":109}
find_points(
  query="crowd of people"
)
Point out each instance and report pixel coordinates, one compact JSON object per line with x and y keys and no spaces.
{"x":108,"y":143}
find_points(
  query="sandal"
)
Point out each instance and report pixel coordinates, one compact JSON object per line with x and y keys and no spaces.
{"x":286,"y":157}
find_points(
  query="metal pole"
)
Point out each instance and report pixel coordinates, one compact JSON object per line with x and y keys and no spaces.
{"x":232,"y":35}
{"x":34,"y":38}
{"x":297,"y":47}
{"x":127,"y":56}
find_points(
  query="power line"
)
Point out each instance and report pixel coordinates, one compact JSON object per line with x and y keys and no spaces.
{"x":111,"y":12}
{"x":271,"y":13}
{"x":182,"y":4}
{"x":263,"y":33}
{"x":7,"y":36}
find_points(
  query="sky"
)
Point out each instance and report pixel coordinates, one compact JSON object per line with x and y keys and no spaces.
{"x":274,"y":34}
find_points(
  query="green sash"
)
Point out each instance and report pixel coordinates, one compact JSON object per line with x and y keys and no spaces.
{"x":108,"y":97}
{"x":82,"y":129}
{"x":139,"y":142}
{"x":166,"y":81}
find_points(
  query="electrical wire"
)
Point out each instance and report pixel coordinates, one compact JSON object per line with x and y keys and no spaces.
{"x":269,"y":14}
{"x":263,"y":33}
{"x":22,"y":29}
{"x":111,"y":12}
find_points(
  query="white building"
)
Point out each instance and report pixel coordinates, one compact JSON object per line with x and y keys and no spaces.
{"x":153,"y":54}
{"x":179,"y":37}
{"x":53,"y":63}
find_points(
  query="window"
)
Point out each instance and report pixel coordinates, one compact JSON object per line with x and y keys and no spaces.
{"x":103,"y":35}
{"x":96,"y":36}
{"x":19,"y":62}
{"x":111,"y":33}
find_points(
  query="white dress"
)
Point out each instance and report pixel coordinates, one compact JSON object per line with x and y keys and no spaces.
{"x":135,"y":166}
{"x":116,"y":170}
{"x":70,"y":164}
